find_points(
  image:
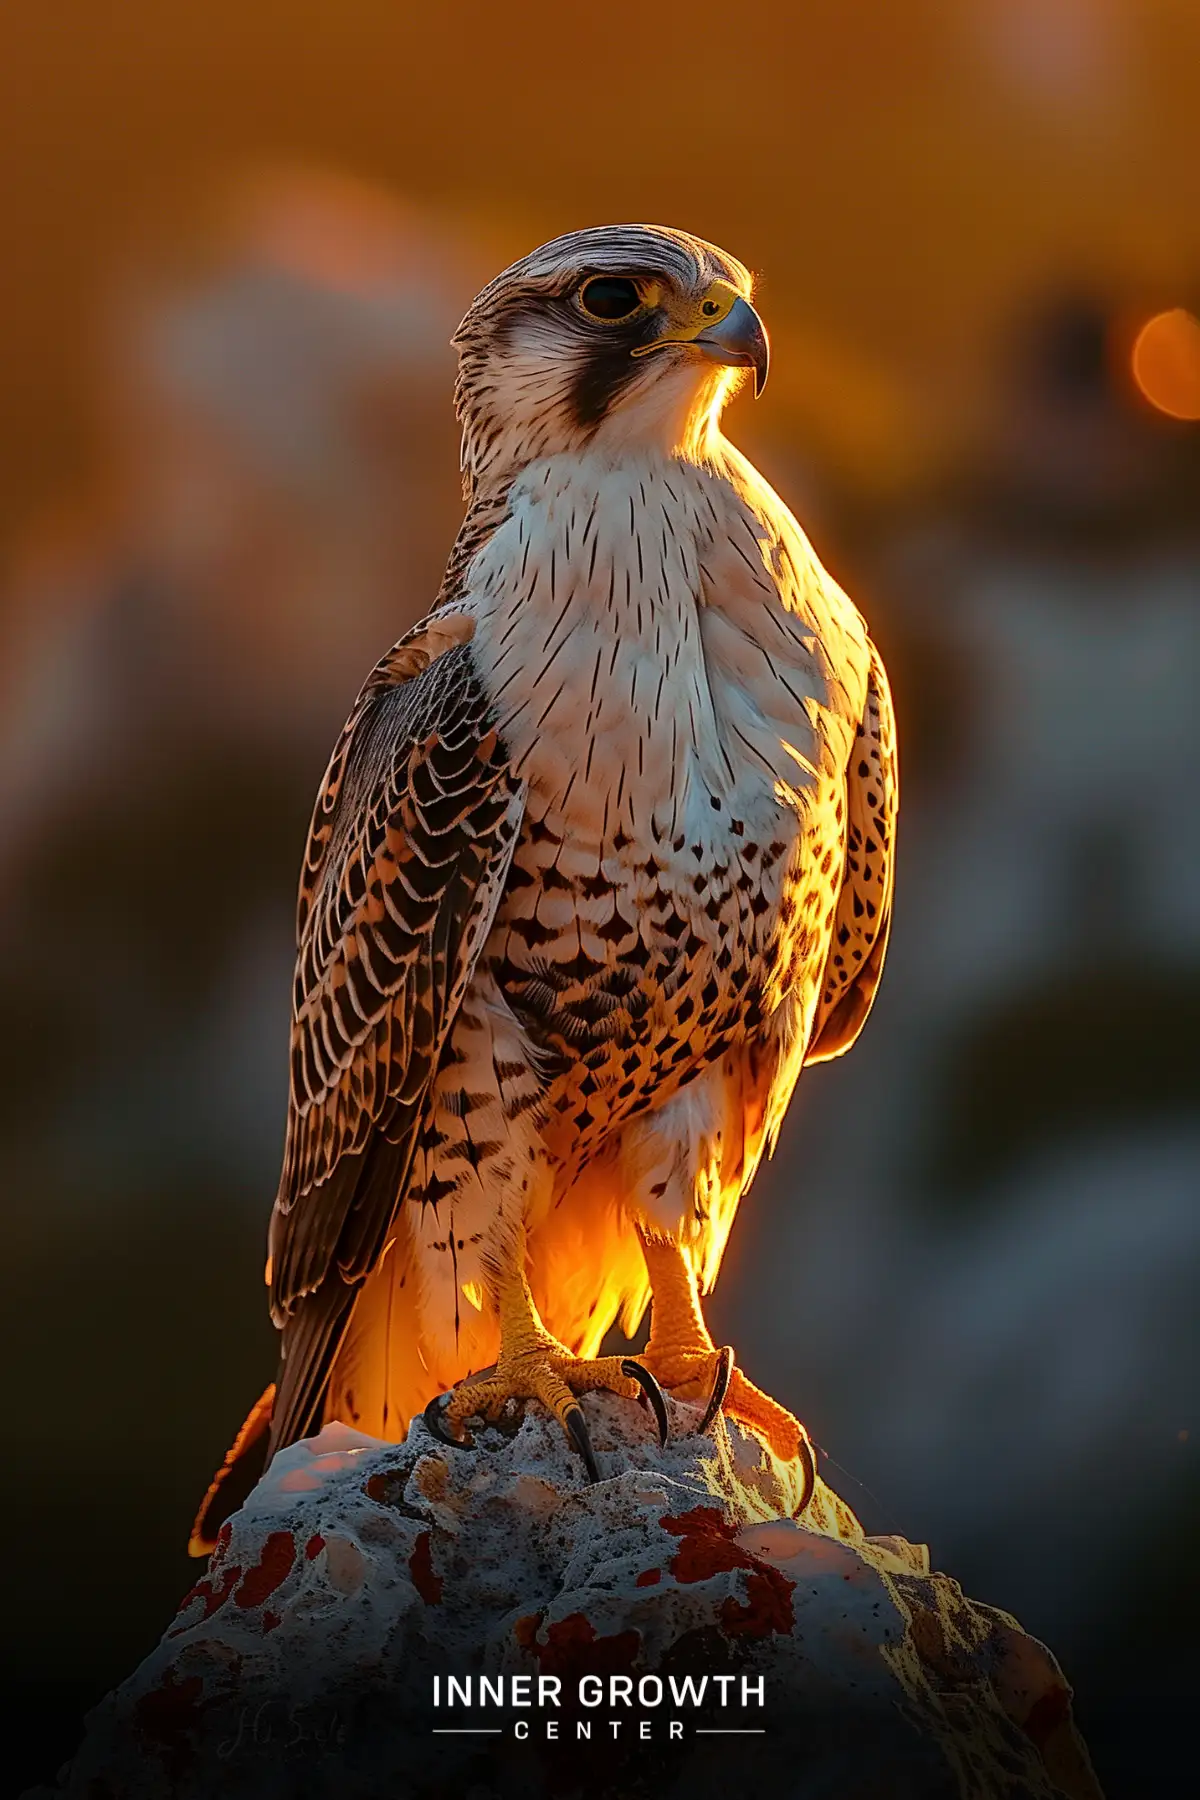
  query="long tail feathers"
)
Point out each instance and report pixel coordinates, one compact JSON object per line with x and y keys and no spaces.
{"x":244,"y":1462}
{"x":309,"y":1344}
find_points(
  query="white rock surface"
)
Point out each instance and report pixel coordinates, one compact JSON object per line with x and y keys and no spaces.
{"x":303,"y":1663}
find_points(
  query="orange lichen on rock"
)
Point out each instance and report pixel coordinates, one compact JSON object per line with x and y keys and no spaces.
{"x":271,"y":1571}
{"x":701,"y":1559}
{"x":420,"y":1563}
{"x":708,"y":1547}
{"x":573,"y":1647}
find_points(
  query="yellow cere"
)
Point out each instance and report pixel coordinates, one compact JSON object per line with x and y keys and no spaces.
{"x":689,"y":318}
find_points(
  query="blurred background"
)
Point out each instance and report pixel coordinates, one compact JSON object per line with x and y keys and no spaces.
{"x":236,"y":241}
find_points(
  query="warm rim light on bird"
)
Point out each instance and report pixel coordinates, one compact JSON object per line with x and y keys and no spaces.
{"x":1166,"y":363}
{"x":602,"y":860}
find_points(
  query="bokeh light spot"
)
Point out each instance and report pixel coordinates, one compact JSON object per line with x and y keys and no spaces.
{"x":1166,"y":363}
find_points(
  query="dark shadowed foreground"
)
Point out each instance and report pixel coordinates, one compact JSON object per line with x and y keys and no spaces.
{"x":315,"y":1656}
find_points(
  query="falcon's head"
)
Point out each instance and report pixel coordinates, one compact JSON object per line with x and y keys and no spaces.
{"x":619,"y":337}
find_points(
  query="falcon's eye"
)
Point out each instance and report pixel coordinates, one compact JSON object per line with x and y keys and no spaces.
{"x":609,"y":297}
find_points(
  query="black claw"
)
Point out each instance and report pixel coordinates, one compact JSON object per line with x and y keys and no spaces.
{"x":652,"y":1393}
{"x":720,"y":1388}
{"x":808,"y":1458}
{"x":436,"y":1425}
{"x":581,"y":1439}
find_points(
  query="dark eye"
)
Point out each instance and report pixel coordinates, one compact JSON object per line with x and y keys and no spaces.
{"x":609,"y":297}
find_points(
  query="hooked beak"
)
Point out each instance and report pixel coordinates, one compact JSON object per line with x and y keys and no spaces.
{"x":739,"y":338}
{"x":723,"y":327}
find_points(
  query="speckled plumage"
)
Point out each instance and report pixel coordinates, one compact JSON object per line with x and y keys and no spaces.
{"x":603,"y":858}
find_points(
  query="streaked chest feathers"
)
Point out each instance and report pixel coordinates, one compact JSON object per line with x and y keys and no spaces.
{"x":659,"y":658}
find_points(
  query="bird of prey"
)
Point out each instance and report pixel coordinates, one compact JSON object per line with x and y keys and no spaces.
{"x":602,"y":860}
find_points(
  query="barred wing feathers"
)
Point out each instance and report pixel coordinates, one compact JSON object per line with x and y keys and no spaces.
{"x":408,"y":852}
{"x":864,"y":908}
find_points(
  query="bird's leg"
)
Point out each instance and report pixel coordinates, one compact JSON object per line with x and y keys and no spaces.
{"x":533,"y":1365}
{"x":682,"y":1355}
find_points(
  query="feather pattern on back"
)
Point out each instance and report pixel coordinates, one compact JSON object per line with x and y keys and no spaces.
{"x":603,"y":857}
{"x":411,"y":840}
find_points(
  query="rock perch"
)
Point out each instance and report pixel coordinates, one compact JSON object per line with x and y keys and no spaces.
{"x":360,"y":1573}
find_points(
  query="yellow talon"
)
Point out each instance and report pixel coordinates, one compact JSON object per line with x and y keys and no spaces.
{"x":547,"y":1372}
{"x":533,"y":1365}
{"x":683,"y":1357}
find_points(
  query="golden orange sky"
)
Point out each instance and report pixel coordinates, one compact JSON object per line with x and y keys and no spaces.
{"x":904,"y":172}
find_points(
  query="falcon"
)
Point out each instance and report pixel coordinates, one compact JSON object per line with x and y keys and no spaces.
{"x":602,"y":859}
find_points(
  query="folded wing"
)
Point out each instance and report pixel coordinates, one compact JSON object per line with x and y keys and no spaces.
{"x":408,"y":852}
{"x":864,"y":909}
